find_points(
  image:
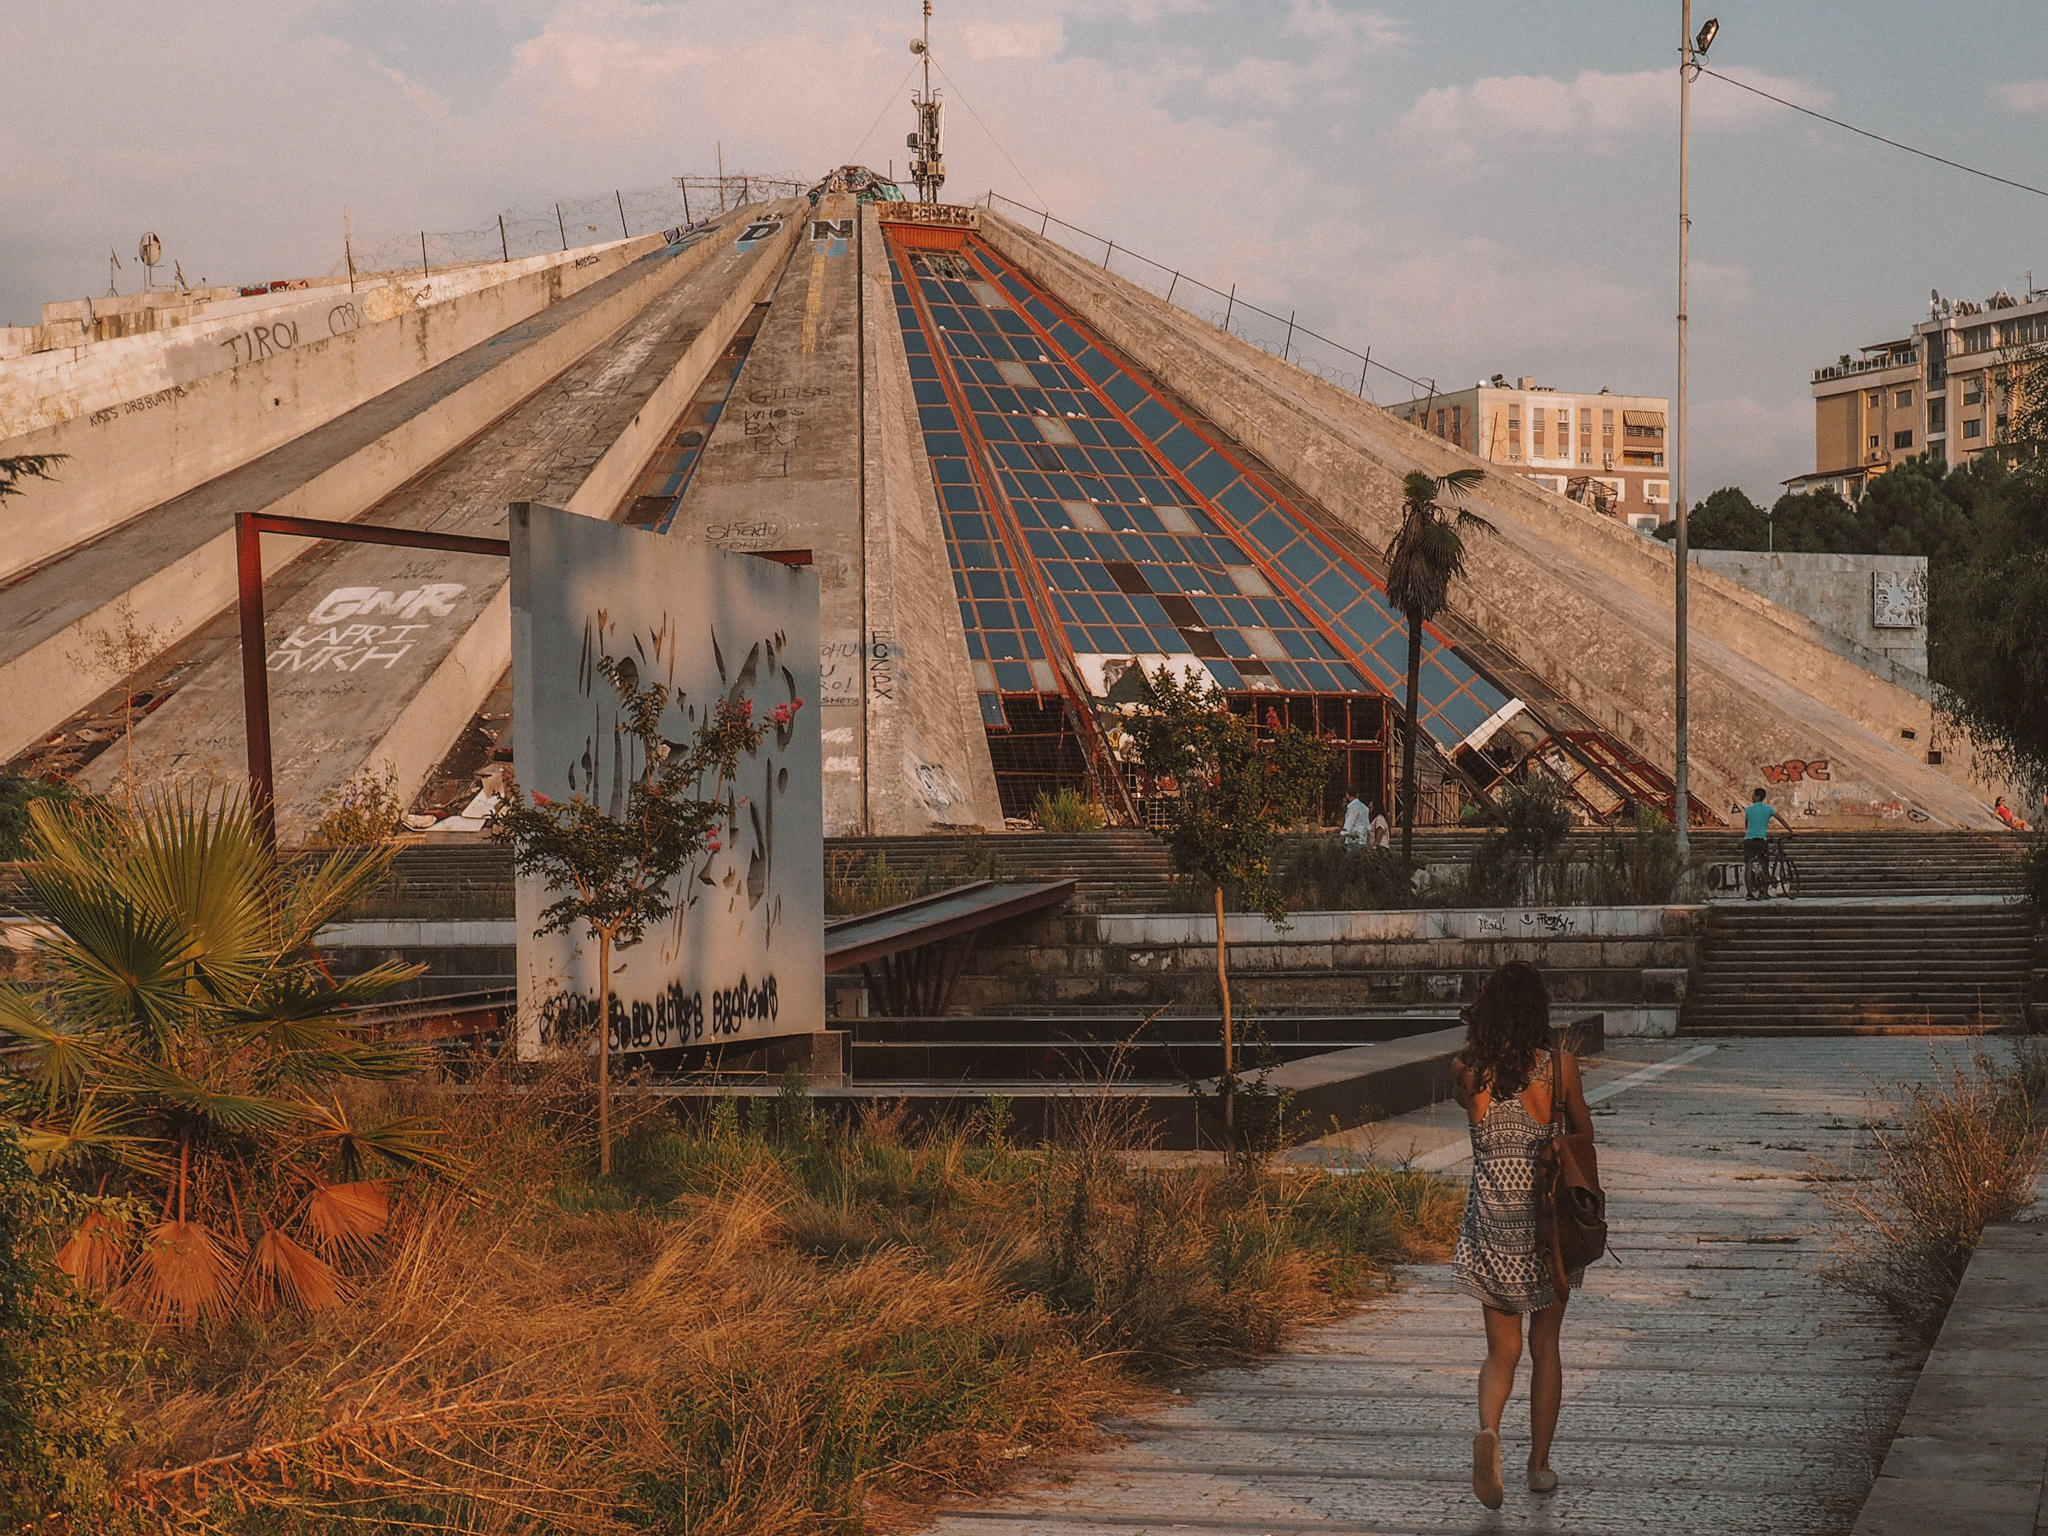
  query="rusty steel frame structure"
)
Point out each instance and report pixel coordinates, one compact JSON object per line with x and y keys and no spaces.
{"x":249,"y":530}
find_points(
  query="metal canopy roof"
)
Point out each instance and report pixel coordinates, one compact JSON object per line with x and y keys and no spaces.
{"x":851,"y":942}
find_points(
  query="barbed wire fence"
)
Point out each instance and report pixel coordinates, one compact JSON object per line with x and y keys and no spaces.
{"x":1284,"y":336}
{"x":567,"y":224}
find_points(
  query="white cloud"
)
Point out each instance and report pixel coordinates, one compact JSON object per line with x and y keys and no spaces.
{"x":1036,"y":39}
{"x":1459,"y":124}
{"x":2023,"y":95}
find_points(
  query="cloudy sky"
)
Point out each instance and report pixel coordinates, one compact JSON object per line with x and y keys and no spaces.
{"x":1470,"y":189}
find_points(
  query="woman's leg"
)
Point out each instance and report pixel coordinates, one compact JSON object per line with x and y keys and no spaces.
{"x":1546,"y":1382}
{"x":1503,"y":1354}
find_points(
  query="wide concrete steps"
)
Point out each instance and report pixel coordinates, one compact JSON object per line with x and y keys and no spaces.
{"x":1840,"y":864}
{"x":1119,"y":869}
{"x":1912,"y":968}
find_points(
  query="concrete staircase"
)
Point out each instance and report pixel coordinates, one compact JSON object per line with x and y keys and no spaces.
{"x":1867,"y":864}
{"x":1798,"y":968}
{"x":1119,"y":869}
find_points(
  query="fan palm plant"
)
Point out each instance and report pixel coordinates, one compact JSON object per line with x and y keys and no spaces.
{"x":182,"y":1051}
{"x":1427,"y":555}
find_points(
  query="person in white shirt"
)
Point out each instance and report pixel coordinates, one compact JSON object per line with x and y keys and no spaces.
{"x":1382,"y":835}
{"x":1357,"y":823}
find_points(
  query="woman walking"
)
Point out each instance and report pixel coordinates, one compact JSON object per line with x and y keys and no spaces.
{"x":1506,"y":1080}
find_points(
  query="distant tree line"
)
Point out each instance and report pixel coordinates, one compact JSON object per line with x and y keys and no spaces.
{"x":1984,"y":530}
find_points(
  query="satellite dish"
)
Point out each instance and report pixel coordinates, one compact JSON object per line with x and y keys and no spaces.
{"x":150,"y":249}
{"x":1934,"y":294}
{"x":917,"y":45}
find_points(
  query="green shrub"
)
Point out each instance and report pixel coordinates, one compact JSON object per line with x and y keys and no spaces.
{"x":1325,"y":874}
{"x":1066,"y":811}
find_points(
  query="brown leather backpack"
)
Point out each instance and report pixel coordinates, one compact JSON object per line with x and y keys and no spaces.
{"x":1571,"y":1208}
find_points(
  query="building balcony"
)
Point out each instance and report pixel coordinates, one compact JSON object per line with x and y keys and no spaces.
{"x":1862,"y":365}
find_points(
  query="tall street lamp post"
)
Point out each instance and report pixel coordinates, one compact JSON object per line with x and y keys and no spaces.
{"x":1691,"y":51}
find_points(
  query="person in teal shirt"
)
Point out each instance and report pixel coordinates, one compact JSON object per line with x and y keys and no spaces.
{"x":1757,"y":817}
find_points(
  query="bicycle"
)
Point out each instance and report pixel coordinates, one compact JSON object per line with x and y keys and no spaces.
{"x":1769,"y":873}
{"x":1782,"y":875}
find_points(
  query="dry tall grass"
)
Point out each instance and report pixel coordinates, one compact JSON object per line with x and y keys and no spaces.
{"x":1946,"y":1158}
{"x":765,"y":1324}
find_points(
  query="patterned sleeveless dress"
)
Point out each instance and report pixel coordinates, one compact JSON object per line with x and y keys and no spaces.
{"x":1496,"y":1261}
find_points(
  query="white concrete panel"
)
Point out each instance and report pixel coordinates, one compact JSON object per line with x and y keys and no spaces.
{"x":744,"y":955}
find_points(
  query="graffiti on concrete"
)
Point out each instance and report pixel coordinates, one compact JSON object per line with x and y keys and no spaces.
{"x":325,"y":643}
{"x":261,"y":341}
{"x":1795,"y":769}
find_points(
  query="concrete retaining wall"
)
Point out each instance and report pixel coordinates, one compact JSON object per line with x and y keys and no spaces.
{"x":1629,"y":962}
{"x":1836,"y":593}
{"x":149,"y":417}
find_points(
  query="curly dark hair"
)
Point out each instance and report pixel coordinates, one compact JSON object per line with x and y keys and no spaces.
{"x":1507,"y":1024}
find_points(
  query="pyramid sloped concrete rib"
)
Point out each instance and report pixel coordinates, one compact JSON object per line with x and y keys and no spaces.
{"x":380,"y":657}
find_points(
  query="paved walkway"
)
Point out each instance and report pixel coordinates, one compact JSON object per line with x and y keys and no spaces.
{"x":1714,"y":1384}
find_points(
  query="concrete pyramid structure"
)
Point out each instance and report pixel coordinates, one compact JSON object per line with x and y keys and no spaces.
{"x":1017,"y":475}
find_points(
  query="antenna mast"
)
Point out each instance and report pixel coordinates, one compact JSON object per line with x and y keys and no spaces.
{"x":928,"y":167}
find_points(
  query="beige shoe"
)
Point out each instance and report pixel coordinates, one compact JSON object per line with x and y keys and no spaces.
{"x":1542,"y":1480}
{"x":1486,"y":1483}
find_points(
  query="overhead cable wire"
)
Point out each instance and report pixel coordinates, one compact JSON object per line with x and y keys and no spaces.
{"x":854,"y":158}
{"x":985,"y":128}
{"x":1866,"y":133}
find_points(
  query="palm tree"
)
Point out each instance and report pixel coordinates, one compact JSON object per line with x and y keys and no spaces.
{"x":185,"y":1057}
{"x":1427,"y":555}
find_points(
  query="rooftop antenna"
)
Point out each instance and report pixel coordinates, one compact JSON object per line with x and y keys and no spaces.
{"x":149,"y":251}
{"x":928,"y":168}
{"x":113,"y":266}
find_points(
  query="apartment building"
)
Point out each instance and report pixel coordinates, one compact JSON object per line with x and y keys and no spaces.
{"x":1603,"y":449}
{"x":1940,"y":390}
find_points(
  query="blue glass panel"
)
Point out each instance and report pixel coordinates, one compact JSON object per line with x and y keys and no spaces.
{"x":1182,"y":446}
{"x":923,"y":368}
{"x":1303,"y":562}
{"x":1103,"y":639}
{"x":952,"y":471}
{"x":992,"y":710}
{"x":1242,"y":502}
{"x":928,"y":391}
{"x":1336,"y":589}
{"x":935,"y":418}
{"x":961,"y":498}
{"x":1225,"y":674}
{"x":1211,"y":474}
{"x":1044,"y":545}
{"x":1014,"y":677}
{"x":1126,"y":391}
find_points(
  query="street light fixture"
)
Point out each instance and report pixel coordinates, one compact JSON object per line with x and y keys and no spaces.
{"x":1691,"y":52}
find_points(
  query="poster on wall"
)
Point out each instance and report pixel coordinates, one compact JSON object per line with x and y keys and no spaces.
{"x":743,"y":956}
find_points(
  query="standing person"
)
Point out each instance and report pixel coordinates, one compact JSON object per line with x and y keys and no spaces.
{"x":1357,"y":822}
{"x":1504,"y":1078}
{"x":1757,"y":817}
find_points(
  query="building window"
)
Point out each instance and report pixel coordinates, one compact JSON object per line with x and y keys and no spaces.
{"x":1656,"y":490}
{"x":1874,"y":398}
{"x":1937,"y":414}
{"x":1973,"y":390}
{"x":1440,"y":433}
{"x":1974,"y":427}
{"x":1458,"y":426}
{"x":1903,"y":439}
{"x":1538,"y":441}
{"x":1873,"y":442}
{"x":1938,"y":448}
{"x":1903,"y":399}
{"x":1514,"y":437}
